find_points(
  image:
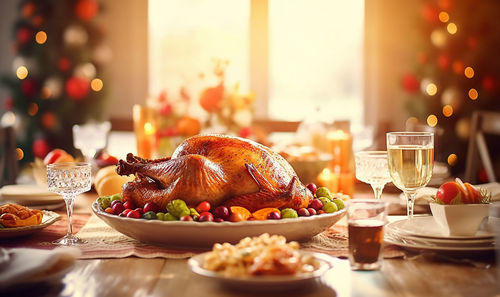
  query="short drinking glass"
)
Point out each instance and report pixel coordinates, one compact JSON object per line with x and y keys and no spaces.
{"x":366,"y":220}
{"x":411,"y":158}
{"x":69,"y":180}
{"x":371,"y":168}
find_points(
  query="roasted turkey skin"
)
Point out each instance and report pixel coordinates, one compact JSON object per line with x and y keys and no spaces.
{"x":220,"y":169}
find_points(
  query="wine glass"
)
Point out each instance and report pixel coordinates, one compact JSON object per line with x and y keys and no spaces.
{"x":90,"y":137}
{"x":410,"y":160}
{"x":69,"y":179}
{"x":371,"y":168}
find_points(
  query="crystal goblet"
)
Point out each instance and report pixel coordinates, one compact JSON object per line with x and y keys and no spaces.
{"x":371,"y":168}
{"x":68,"y":180}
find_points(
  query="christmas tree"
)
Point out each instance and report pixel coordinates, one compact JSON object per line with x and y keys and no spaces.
{"x":456,"y":72}
{"x":57,"y":80}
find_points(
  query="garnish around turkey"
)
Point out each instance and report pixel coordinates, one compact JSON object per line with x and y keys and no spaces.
{"x":177,"y":210}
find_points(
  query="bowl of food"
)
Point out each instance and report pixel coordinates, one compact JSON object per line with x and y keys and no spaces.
{"x":460,"y":208}
{"x":306,"y":161}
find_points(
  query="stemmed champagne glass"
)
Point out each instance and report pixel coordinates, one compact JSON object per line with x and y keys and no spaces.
{"x":371,"y":168}
{"x":69,"y":180}
{"x":411,"y":158}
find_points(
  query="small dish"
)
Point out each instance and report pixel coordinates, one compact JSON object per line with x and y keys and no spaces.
{"x":265,"y":283}
{"x":49,"y":218}
{"x":459,"y":219}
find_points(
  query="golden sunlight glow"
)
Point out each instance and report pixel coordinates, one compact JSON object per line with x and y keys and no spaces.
{"x":444,"y":17}
{"x":149,"y":129}
{"x":431,"y":89}
{"x":452,"y":28}
{"x":19,"y":153}
{"x":33,"y":109}
{"x":41,"y":37}
{"x":452,"y":159}
{"x":22,"y":72}
{"x":469,"y":72}
{"x":96,"y":84}
{"x":46,"y":93}
{"x":432,"y":120}
{"x":447,"y":110}
{"x":473,"y":94}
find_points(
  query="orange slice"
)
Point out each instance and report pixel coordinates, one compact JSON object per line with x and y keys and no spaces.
{"x":261,"y":214}
{"x":245,"y":213}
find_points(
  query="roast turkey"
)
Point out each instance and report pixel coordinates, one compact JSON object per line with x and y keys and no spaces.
{"x":222,"y":170}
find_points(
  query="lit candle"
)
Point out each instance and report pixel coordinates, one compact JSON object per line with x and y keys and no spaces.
{"x":341,"y":169}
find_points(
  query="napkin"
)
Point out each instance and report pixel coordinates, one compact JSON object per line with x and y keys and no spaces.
{"x":24,"y":266}
{"x":424,"y":195}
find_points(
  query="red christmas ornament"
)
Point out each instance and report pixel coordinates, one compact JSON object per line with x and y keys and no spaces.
{"x":77,"y":88}
{"x":24,"y":35}
{"x":410,"y":83}
{"x":430,"y":13}
{"x":444,"y":61}
{"x":8,"y":103}
{"x":245,"y":132}
{"x":489,"y":83}
{"x":40,"y":148}
{"x":63,"y":64}
{"x":86,"y":9}
{"x":29,"y":87}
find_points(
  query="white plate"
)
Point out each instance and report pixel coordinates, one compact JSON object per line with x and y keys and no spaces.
{"x":205,"y":234}
{"x":48,"y":219}
{"x":29,"y":195}
{"x":264,"y":283}
{"x":426,"y":226}
{"x":424,"y":245}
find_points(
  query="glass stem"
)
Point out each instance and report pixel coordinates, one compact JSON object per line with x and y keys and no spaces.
{"x":69,"y":200}
{"x":410,"y":196}
{"x":377,"y":190}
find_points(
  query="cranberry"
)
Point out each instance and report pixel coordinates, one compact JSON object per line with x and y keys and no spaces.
{"x":274,"y":215}
{"x":316,"y":204}
{"x":151,"y":206}
{"x":125,"y":212}
{"x":203,"y":207}
{"x":303,"y":212}
{"x":129,"y":204}
{"x":140,"y":211}
{"x":186,"y":218}
{"x":312,"y":211}
{"x":118,"y":208}
{"x":218,"y":220}
{"x":206,"y":217}
{"x":134,"y":214}
{"x":115,"y":201}
{"x":221,"y":212}
{"x":312,"y":187}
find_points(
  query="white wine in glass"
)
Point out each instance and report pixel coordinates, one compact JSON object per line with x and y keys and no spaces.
{"x":410,"y":161}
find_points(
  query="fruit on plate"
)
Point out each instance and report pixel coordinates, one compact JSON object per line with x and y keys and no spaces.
{"x":104,"y":159}
{"x":57,"y":156}
{"x":108,"y":182}
{"x":222,"y":170}
{"x":14,"y":215}
{"x":458,"y":192}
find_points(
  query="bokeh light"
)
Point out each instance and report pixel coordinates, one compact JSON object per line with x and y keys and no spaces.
{"x":431,"y":89}
{"x":447,"y":110}
{"x":432,"y":120}
{"x":473,"y":94}
{"x":444,"y":16}
{"x":452,"y":28}
{"x":45,"y":93}
{"x":41,"y":37}
{"x":452,"y":159}
{"x":469,"y":72}
{"x":411,"y":121}
{"x":33,"y":109}
{"x":96,"y":84}
{"x":22,"y":72}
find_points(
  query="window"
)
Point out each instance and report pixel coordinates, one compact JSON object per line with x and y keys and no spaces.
{"x":314,"y":50}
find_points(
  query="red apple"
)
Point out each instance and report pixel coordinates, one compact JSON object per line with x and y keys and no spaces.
{"x":450,"y":193}
{"x":56,"y":156}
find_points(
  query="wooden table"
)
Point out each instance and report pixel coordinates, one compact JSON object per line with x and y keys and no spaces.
{"x":168,"y":277}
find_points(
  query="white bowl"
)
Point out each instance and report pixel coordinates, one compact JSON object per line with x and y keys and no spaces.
{"x":459,"y":219}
